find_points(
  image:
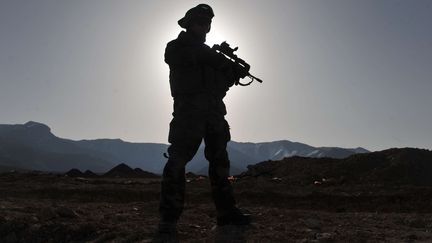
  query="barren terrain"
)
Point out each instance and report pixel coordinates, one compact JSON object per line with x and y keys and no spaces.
{"x":378,"y":197}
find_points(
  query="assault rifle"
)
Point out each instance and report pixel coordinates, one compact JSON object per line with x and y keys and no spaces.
{"x":225,"y":49}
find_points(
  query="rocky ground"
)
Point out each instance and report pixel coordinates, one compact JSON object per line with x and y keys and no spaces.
{"x":38,"y":207}
{"x":382,"y":196}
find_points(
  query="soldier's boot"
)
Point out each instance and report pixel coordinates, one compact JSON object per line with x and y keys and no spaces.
{"x":172,"y":191}
{"x":166,"y":233}
{"x":222,"y":192}
{"x":171,"y":201}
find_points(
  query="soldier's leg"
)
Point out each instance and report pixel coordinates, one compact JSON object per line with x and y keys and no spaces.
{"x":185,"y":137}
{"x":216,"y":139}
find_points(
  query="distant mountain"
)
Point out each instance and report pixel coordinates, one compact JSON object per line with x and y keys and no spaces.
{"x":33,"y":146}
{"x":147,"y":156}
{"x":281,"y":149}
{"x":244,"y":154}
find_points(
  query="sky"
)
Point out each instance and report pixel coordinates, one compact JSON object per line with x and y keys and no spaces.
{"x":346,"y":73}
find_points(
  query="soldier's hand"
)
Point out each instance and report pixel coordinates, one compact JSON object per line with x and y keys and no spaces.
{"x":240,"y":72}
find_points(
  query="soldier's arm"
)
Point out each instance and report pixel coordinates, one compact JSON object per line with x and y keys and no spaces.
{"x":180,"y":55}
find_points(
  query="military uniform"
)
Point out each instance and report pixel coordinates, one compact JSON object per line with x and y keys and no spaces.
{"x":199,"y":80}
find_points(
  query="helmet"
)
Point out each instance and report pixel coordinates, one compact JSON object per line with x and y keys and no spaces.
{"x":201,"y":12}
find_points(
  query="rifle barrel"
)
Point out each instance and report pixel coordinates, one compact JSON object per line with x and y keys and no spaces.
{"x":255,"y":78}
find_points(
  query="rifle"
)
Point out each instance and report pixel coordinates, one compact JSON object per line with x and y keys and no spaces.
{"x":225,"y":49}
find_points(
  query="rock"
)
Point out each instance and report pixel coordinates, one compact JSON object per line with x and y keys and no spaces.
{"x":325,"y":237}
{"x":66,"y":212}
{"x":47,"y":214}
{"x":81,"y":179}
{"x":34,"y":227}
{"x":312,"y":223}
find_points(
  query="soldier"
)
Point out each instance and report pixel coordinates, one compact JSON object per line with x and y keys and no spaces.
{"x":199,"y":79}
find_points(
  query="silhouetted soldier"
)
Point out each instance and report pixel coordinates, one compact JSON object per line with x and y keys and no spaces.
{"x":199,"y":80}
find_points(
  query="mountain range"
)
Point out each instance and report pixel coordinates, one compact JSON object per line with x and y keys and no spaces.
{"x":32,"y":146}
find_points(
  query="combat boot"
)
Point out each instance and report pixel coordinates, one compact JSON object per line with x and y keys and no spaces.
{"x":234,"y":217}
{"x":166,"y":233}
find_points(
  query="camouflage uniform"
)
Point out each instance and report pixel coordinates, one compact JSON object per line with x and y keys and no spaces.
{"x":199,"y":80}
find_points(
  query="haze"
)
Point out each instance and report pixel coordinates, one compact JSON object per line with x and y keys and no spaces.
{"x":336,"y":72}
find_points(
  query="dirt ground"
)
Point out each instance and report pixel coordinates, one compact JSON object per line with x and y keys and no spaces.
{"x":37,"y":207}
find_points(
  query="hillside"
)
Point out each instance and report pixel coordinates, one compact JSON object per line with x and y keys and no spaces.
{"x":405,"y":166}
{"x":33,"y":146}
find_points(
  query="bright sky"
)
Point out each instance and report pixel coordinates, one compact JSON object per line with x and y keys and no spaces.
{"x":342,"y":73}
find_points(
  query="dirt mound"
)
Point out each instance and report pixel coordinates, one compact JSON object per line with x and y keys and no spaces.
{"x":405,"y":166}
{"x":121,"y":170}
{"x":89,"y":173}
{"x":191,"y":175}
{"x":144,"y":174}
{"x":124,"y":171}
{"x":74,"y":173}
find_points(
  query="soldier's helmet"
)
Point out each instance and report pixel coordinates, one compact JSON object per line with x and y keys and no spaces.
{"x":202,"y":13}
